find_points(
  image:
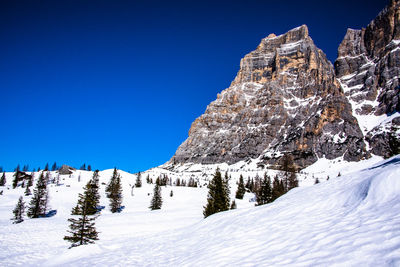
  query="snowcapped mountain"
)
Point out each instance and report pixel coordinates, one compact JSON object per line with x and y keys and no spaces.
{"x":351,"y":220}
{"x":288,"y":99}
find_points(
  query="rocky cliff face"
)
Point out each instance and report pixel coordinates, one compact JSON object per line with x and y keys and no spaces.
{"x":284,"y":99}
{"x":368,"y":68}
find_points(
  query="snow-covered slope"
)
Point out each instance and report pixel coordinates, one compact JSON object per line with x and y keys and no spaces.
{"x":351,"y":220}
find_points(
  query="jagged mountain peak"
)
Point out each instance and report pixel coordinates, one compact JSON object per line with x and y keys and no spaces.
{"x":368,"y":68}
{"x":284,"y":99}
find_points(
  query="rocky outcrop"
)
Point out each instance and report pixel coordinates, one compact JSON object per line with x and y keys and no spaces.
{"x":368,"y":68}
{"x":284,"y":99}
{"x":65,"y":169}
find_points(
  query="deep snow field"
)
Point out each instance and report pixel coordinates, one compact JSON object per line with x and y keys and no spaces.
{"x":351,"y":220}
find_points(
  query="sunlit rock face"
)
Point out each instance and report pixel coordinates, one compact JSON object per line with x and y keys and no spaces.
{"x":368,"y":68}
{"x":284,"y":99}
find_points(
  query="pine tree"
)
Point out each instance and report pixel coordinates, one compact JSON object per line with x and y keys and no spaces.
{"x":83,"y":167}
{"x":54,"y":167}
{"x":138,"y":180}
{"x":156,"y":201}
{"x":83,"y":229}
{"x":92,"y":195}
{"x":46,"y":168}
{"x":3,"y":179}
{"x":19,"y":211}
{"x":114,"y":192}
{"x":27,"y":191}
{"x":264,"y":192}
{"x":89,"y":168}
{"x":38,"y":203}
{"x":30,"y":181}
{"x":233,"y":205}
{"x":287,"y":168}
{"x":241,"y":189}
{"x":17,"y":176}
{"x":277,"y":188}
{"x":293,"y":182}
{"x":217,"y":199}
{"x":227,"y":188}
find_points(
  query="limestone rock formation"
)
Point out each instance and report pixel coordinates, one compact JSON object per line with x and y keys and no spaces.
{"x":65,"y":169}
{"x":284,"y":99}
{"x":368,"y":68}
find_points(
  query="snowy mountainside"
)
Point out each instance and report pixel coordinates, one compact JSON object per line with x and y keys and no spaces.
{"x":351,"y":220}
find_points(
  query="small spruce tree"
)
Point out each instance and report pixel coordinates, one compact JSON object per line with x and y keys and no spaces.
{"x":83,"y":229}
{"x":156,"y":201}
{"x":114,"y":192}
{"x":17,"y":177}
{"x":241,"y":190}
{"x":217,"y":199}
{"x":38,"y":203}
{"x":293,"y":181}
{"x":28,"y":191}
{"x":19,"y":211}
{"x":3,"y":179}
{"x":233,"y":205}
{"x":54,"y":167}
{"x":138,"y":180}
{"x":264,"y":192}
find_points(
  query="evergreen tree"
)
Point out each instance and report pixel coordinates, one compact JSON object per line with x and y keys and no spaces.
{"x":54,"y":167}
{"x":83,"y":167}
{"x":83,"y":229}
{"x":46,"y":168}
{"x":277,"y":188}
{"x":30,"y":181}
{"x":114,"y":192}
{"x":17,"y":169}
{"x":38,"y":203}
{"x":1,"y":169}
{"x":27,"y":191}
{"x":217,"y":199}
{"x":19,"y":211}
{"x":3,"y":179}
{"x":89,"y":168}
{"x":241,"y":189}
{"x":17,"y":178}
{"x":287,"y":168}
{"x":92,"y":195}
{"x":227,"y":188}
{"x":293,"y":182}
{"x":25,"y":168}
{"x":156,"y":201}
{"x":233,"y":205}
{"x":138,"y":180}
{"x":264,"y":192}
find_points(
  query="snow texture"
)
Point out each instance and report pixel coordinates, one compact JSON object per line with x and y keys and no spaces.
{"x":350,"y":220}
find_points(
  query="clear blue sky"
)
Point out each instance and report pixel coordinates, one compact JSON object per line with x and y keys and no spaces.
{"x":118,"y":83}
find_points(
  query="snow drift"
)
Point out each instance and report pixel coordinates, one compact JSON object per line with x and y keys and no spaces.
{"x":351,"y":220}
